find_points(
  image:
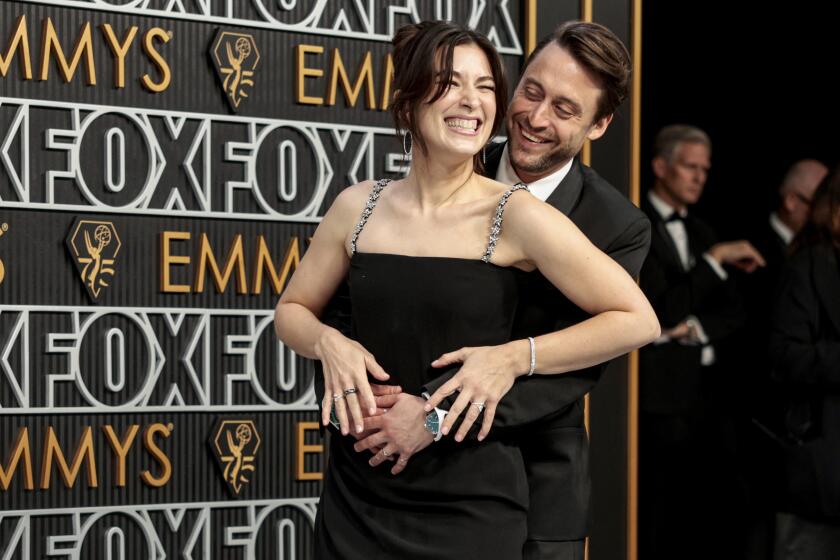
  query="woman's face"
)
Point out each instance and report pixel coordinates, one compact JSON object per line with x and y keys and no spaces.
{"x":459,"y":123}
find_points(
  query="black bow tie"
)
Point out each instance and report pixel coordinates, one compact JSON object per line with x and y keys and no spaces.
{"x":674,"y":217}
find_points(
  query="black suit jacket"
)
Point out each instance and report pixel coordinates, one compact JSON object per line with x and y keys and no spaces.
{"x":758,"y":396}
{"x":805,"y":352}
{"x":670,"y":380}
{"x":542,"y":414}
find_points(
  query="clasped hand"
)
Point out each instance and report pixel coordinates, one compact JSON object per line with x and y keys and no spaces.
{"x":394,"y":428}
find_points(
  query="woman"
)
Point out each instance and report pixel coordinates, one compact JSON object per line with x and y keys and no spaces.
{"x":805,"y":352}
{"x":433,"y":261}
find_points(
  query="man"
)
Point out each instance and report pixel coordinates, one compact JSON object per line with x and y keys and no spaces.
{"x":762,"y":427}
{"x":684,"y":437}
{"x":795,"y":194}
{"x":570,"y":87}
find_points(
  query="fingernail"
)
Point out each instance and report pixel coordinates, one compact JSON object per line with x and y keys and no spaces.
{"x":445,"y":430}
{"x":371,"y":463}
{"x":427,"y":408}
{"x":434,"y":362}
{"x":480,"y":438}
{"x":372,"y":410}
{"x":459,"y":438}
{"x":358,"y":429}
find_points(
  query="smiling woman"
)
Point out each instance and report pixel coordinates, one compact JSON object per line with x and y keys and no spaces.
{"x":422,"y":57}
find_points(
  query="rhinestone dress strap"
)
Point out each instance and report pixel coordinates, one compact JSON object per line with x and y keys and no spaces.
{"x":496,"y":226}
{"x":371,"y":204}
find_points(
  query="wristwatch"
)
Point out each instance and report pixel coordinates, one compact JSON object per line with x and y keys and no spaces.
{"x":434,"y":420}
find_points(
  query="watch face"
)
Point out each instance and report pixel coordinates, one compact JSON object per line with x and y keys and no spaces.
{"x":433,"y":422}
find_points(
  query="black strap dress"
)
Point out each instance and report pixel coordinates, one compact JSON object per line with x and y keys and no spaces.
{"x":454,"y":500}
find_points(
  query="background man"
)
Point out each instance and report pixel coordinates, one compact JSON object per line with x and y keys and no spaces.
{"x":761,"y":424}
{"x":687,"y":451}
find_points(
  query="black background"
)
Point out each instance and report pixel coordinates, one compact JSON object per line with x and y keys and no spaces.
{"x":759,"y":78}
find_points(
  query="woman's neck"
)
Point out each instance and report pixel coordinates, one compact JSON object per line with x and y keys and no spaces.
{"x":437,"y":183}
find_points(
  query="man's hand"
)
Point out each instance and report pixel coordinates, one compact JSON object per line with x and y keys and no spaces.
{"x":487,"y":375}
{"x":683,"y":332}
{"x":400,"y":432}
{"x":740,"y":254}
{"x":385,"y":397}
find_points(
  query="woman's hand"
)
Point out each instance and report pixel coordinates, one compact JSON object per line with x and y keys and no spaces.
{"x":487,"y":374}
{"x":346,"y":365}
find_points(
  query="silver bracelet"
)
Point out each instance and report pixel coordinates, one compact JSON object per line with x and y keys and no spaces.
{"x":533,"y":355}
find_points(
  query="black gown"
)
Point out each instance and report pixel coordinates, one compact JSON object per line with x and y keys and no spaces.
{"x":464,"y":500}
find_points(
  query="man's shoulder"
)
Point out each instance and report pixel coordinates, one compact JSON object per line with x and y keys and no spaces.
{"x":599,"y":195}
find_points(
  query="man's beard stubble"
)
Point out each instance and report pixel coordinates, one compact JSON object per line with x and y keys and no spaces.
{"x":545,"y":163}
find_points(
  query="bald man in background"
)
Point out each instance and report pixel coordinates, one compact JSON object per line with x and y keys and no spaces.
{"x":760,"y":444}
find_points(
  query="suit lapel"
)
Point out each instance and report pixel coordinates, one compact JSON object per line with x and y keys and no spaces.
{"x":494,"y":157}
{"x":662,"y":232}
{"x":827,"y":280}
{"x":569,"y":191}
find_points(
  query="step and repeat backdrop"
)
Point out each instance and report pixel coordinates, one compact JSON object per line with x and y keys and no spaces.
{"x":163,"y":164}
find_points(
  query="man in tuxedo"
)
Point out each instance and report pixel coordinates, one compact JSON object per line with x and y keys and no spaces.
{"x":685,"y":432}
{"x":761,"y":427}
{"x":570,"y":87}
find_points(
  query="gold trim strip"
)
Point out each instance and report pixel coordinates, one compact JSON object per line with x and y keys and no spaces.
{"x":633,"y":363}
{"x":586,"y":10}
{"x":530,"y":26}
{"x":586,"y":152}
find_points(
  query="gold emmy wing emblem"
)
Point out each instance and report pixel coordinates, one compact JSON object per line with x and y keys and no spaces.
{"x":235,"y":56}
{"x":236,"y":443}
{"x":3,"y":229}
{"x":94,"y":247}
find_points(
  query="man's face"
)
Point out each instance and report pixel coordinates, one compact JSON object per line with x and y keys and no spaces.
{"x":680,"y":181}
{"x":551,"y":114}
{"x":798,"y":205}
{"x":797,"y":199}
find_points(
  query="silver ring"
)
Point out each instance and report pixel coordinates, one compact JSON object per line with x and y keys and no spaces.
{"x":385,"y":453}
{"x":480,"y":406}
{"x":351,"y":391}
{"x":337,"y":397}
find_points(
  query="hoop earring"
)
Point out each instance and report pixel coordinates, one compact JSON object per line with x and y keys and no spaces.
{"x":407,"y":139}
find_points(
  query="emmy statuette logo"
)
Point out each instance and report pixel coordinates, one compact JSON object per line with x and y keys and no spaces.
{"x":94,"y":247}
{"x":235,"y":56}
{"x":235,"y":444}
{"x":3,"y":229}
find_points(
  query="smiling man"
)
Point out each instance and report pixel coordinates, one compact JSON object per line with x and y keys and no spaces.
{"x":571,"y":85}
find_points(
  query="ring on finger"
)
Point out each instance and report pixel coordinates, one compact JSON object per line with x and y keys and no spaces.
{"x":337,"y":397}
{"x":350,"y":391}
{"x":385,"y":453}
{"x":480,"y":406}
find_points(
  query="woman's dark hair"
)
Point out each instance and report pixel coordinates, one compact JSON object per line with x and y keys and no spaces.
{"x":423,"y":54}
{"x":823,"y":227}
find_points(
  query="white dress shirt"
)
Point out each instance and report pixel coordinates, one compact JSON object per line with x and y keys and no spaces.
{"x":781,"y":228}
{"x":541,"y":188}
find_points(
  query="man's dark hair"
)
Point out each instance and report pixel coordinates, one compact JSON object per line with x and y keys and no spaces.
{"x":423,"y":54}
{"x":597,"y":49}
